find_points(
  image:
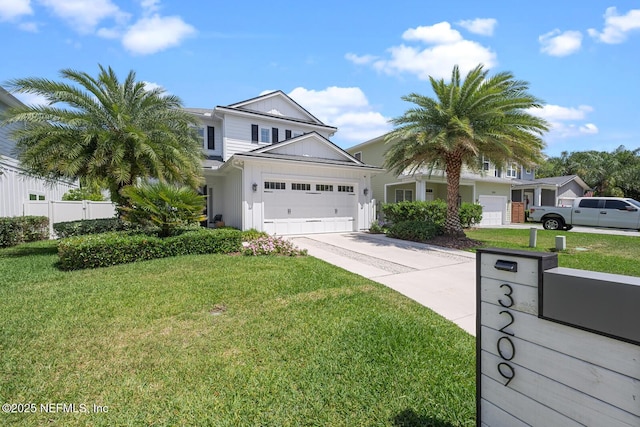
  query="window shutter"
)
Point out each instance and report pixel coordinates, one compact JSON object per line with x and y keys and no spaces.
{"x":254,"y":133}
{"x":287,"y":134}
{"x":274,"y":135}
{"x":211,"y":143}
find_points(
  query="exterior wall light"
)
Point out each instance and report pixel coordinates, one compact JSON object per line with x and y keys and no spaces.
{"x":366,"y":191}
{"x":255,"y":187}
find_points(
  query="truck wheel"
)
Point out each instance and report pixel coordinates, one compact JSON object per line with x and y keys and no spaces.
{"x":552,"y":223}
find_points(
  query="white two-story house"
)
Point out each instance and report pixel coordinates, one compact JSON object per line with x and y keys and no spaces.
{"x":490,"y":185}
{"x":16,"y":185}
{"x":271,"y":166}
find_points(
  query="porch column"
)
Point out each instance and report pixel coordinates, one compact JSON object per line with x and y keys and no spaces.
{"x":421,"y":190}
{"x":537,"y":196}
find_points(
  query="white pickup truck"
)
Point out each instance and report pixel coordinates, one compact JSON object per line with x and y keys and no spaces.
{"x":615,"y":212}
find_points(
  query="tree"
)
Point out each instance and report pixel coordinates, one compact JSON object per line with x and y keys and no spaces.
{"x":482,"y":116}
{"x":163,"y":205}
{"x":608,"y":174}
{"x":101,"y":129}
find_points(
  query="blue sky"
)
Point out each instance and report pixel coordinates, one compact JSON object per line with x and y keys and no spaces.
{"x":348,"y":63}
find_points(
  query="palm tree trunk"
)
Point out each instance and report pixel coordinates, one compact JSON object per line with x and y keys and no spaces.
{"x":453,"y":167}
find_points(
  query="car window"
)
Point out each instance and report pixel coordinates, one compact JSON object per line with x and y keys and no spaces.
{"x":589,"y":203}
{"x":634,"y":202}
{"x":615,"y":204}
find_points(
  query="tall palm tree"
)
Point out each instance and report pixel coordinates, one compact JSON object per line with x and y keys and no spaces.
{"x":105,"y":130}
{"x":482,"y":116}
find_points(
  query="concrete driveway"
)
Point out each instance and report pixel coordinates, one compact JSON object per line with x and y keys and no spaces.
{"x":438,"y":278}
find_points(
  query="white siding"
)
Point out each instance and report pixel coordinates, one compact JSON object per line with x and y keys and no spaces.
{"x":310,"y":147}
{"x":15,"y":187}
{"x":237,"y":132}
{"x":275,"y":104}
{"x":233,"y":204}
{"x":217,"y":125}
{"x":6,"y":145}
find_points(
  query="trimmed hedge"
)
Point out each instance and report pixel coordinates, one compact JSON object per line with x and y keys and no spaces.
{"x":470,"y":214}
{"x":23,"y":229}
{"x":434,"y":211}
{"x":416,"y":231}
{"x":102,"y":250}
{"x":91,"y":226}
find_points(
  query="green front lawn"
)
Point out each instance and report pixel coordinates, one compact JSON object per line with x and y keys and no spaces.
{"x":586,"y":251}
{"x":224,"y":341}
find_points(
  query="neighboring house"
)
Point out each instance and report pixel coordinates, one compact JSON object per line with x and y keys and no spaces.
{"x":271,"y":166}
{"x":554,"y":191}
{"x":491,"y":187}
{"x":16,"y":186}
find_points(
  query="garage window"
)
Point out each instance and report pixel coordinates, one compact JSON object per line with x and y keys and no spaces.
{"x":345,"y":188}
{"x":301,"y":187}
{"x":324,"y":187}
{"x":270,"y":185}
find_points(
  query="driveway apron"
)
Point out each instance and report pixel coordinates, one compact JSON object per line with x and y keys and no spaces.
{"x":438,"y":278}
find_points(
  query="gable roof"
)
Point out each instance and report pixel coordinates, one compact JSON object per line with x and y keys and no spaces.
{"x":276,"y":94}
{"x":558,"y":181}
{"x":8,"y":99}
{"x":310,"y":147}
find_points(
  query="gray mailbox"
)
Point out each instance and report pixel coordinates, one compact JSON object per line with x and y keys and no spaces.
{"x":555,"y":346}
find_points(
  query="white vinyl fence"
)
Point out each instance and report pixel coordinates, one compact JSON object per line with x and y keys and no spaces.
{"x":59,"y":211}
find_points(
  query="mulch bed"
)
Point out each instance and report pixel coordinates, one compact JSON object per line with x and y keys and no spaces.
{"x":462,"y":243}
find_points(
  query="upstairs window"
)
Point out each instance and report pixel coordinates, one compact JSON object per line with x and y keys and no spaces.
{"x":265,"y":135}
{"x":287,"y":134}
{"x":274,"y":135}
{"x":211,"y":142}
{"x":254,"y":134}
{"x":512,"y":170}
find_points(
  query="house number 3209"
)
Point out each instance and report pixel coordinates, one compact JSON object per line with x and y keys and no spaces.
{"x":506,"y":348}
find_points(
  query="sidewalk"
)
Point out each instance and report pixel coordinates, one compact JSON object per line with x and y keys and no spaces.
{"x":439,"y":278}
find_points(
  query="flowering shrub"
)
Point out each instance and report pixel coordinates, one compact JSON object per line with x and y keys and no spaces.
{"x":272,"y":245}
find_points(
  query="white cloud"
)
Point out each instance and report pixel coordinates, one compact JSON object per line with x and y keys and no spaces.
{"x":152,"y":85}
{"x":12,"y":9}
{"x":151,"y":33}
{"x":156,"y":33}
{"x":360,"y":59}
{"x":346,"y":108}
{"x":563,"y":121}
{"x":482,"y":26}
{"x":617,"y":27}
{"x":556,"y":112}
{"x":589,"y":128}
{"x":437,"y":61}
{"x":31,"y":99}
{"x":440,"y":33}
{"x":84,"y":16}
{"x":150,"y":6}
{"x":446,"y":48}
{"x":556,"y":43}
